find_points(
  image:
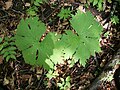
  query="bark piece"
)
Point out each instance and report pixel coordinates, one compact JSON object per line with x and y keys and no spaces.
{"x":108,"y":73}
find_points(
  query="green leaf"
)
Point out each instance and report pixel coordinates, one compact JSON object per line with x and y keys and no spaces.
{"x":95,"y":2}
{"x":57,"y":56}
{"x":5,"y":54}
{"x":91,"y":1}
{"x":12,"y":43}
{"x":1,"y":39}
{"x":10,"y":57}
{"x":11,"y":48}
{"x":29,"y":33}
{"x":1,"y":47}
{"x":67,"y":79}
{"x":52,"y":74}
{"x":9,"y":53}
{"x":64,"y":13}
{"x":6,"y":39}
{"x":81,"y":45}
{"x":70,"y":43}
{"x":88,"y":34}
{"x":106,"y":34}
{"x":38,"y":2}
{"x":115,"y":19}
{"x":11,"y":39}
{"x":7,"y":49}
{"x":65,"y":47}
{"x":32,"y":10}
{"x":100,"y":5}
{"x":5,"y":44}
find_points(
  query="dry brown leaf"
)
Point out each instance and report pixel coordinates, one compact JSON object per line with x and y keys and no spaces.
{"x":8,"y":4}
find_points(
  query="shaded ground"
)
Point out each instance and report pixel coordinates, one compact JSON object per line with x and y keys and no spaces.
{"x":16,"y":75}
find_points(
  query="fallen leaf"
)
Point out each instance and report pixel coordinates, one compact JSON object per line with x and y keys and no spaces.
{"x":8,"y":4}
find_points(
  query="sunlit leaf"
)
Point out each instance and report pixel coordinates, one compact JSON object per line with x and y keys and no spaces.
{"x":29,"y":33}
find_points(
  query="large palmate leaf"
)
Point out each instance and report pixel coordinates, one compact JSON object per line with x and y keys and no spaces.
{"x":88,"y":30}
{"x":81,"y":45}
{"x":28,"y":36}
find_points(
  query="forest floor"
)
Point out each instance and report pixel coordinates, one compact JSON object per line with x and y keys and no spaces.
{"x":17,"y":75}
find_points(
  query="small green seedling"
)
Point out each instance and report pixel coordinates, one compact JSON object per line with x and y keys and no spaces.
{"x":115,"y":19}
{"x":51,"y":74}
{"x":65,"y":85}
{"x":32,"y":11}
{"x":64,"y":13}
{"x":100,"y":4}
{"x":38,"y":2}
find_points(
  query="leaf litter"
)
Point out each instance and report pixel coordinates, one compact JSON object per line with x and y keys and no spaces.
{"x":81,"y":77}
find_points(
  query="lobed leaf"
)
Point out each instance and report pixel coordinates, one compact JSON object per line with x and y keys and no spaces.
{"x":28,"y":40}
{"x":88,"y":33}
{"x":81,"y":45}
